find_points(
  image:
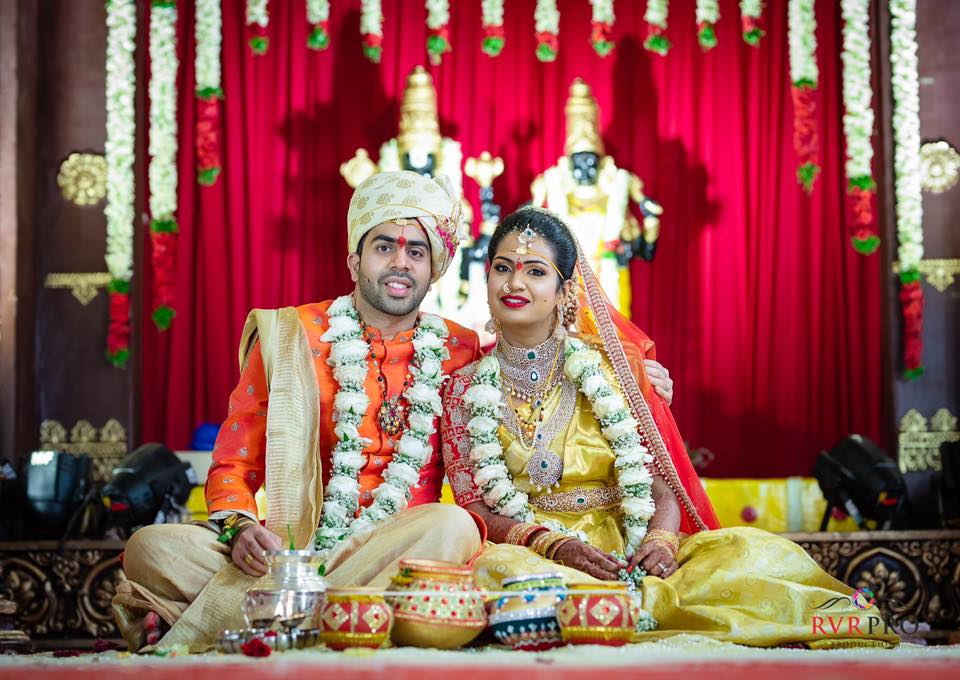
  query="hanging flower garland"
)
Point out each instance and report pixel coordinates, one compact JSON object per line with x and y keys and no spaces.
{"x":656,"y":18}
{"x":209,"y":30}
{"x":258,"y":18}
{"x":162,"y":151}
{"x":708,"y":14}
{"x":371,"y":29}
{"x":602,"y":23}
{"x":348,"y":356}
{"x":318,"y":16}
{"x":858,"y":122}
{"x":438,"y":23}
{"x":493,"y":35}
{"x":750,"y":12}
{"x":804,"y":76}
{"x":906,"y":164}
{"x":121,"y":87}
{"x":547,"y":19}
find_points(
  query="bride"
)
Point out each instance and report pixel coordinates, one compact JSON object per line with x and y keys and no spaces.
{"x":557,"y":441}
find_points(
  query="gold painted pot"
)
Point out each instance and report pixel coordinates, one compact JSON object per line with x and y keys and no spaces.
{"x":355,"y":617}
{"x":435,"y":604}
{"x":597,"y":614}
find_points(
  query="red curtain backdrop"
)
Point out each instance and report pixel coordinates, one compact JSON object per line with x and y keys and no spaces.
{"x":768,"y":321}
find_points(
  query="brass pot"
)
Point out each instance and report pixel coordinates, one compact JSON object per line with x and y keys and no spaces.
{"x":435,"y":604}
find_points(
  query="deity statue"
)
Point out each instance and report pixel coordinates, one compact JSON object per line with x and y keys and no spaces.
{"x":593,"y":196}
{"x":420,"y":148}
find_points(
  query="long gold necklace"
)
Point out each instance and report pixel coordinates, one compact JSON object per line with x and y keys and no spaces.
{"x":530,"y":425}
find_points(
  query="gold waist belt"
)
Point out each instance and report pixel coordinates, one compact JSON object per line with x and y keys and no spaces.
{"x":579,"y":500}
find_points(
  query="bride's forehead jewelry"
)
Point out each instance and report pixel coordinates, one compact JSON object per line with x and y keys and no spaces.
{"x":526,"y":239}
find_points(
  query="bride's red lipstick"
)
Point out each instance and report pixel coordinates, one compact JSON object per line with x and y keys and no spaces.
{"x":514,"y":301}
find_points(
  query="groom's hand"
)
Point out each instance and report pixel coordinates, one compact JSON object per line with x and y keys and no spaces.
{"x":659,"y":377}
{"x":253,"y":540}
{"x":588,"y":559}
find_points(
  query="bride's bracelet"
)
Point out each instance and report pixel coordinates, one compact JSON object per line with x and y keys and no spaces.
{"x":543,"y":542}
{"x":522,"y":532}
{"x":664,"y":537}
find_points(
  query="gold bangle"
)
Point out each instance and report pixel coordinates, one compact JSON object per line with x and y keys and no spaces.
{"x":663,"y":537}
{"x":544,"y":541}
{"x":555,"y":548}
{"x":520,"y":533}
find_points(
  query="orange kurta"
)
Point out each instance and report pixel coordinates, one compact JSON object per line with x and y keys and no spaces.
{"x":239,"y":458}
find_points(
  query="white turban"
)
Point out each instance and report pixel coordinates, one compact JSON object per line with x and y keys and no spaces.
{"x":388,"y":196}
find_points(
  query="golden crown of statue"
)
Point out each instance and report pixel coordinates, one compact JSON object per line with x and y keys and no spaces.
{"x":419,"y":127}
{"x":583,"y":120}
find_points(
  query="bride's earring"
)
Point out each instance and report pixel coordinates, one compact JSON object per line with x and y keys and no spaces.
{"x":492,"y":326}
{"x":560,"y":330}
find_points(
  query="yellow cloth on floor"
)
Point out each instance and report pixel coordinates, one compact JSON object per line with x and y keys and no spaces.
{"x":737,"y":584}
{"x":181,"y":572}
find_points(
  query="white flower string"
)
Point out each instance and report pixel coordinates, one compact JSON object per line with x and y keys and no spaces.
{"x":492,"y":21}
{"x":318,"y":17}
{"x":438,"y":37}
{"x":258,"y":18}
{"x":546,"y":18}
{"x":348,"y":357}
{"x":708,"y":14}
{"x":656,"y":18}
{"x":209,"y":36}
{"x":371,"y":29}
{"x":906,"y":165}
{"x":582,"y":366}
{"x":750,"y":12}
{"x":602,"y":26}
{"x":858,"y":121}
{"x":121,"y":86}
{"x":804,"y":74}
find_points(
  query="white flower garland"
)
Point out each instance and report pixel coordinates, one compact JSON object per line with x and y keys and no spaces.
{"x":546,"y":16}
{"x":751,"y":8}
{"x":492,"y":12}
{"x":317,"y":11}
{"x":857,"y":89}
{"x":348,"y":356}
{"x":257,"y":13}
{"x":583,"y":366}
{"x":802,"y":24}
{"x":121,"y":87}
{"x":162,"y":170}
{"x":708,"y":11}
{"x":371,"y":18}
{"x":603,"y":11}
{"x":906,"y":133}
{"x":656,"y":14}
{"x":209,"y":30}
{"x":438,"y":13}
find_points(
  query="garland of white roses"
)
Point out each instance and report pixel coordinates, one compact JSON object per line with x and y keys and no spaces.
{"x":348,"y":356}
{"x":708,"y":14}
{"x":804,"y":74}
{"x":602,"y":24}
{"x":906,"y":164}
{"x":492,"y":22}
{"x":121,"y":87}
{"x":318,"y":17}
{"x":438,"y":39}
{"x":750,"y":11}
{"x":371,"y":29}
{"x":546,"y":18}
{"x":258,"y":18}
{"x":582,"y":365}
{"x":209,"y":31}
{"x":656,"y":18}
{"x":858,"y":119}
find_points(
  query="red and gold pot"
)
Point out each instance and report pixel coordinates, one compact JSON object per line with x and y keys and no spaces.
{"x":355,"y":617}
{"x":597,"y":614}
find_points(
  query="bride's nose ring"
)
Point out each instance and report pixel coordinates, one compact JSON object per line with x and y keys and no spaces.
{"x":506,"y":288}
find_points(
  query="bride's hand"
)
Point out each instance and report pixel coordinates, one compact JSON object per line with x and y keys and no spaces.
{"x":655,"y":558}
{"x":660,"y":378}
{"x":588,"y":559}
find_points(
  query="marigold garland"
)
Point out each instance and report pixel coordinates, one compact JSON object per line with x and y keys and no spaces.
{"x":371,"y":29}
{"x":121,"y":85}
{"x":804,"y":75}
{"x":438,"y":25}
{"x":162,"y":161}
{"x":656,"y":18}
{"x":258,"y":17}
{"x":602,"y":27}
{"x":858,"y":123}
{"x":907,"y":190}
{"x":708,"y":14}
{"x":318,"y":17}
{"x":208,"y":31}
{"x":750,"y":13}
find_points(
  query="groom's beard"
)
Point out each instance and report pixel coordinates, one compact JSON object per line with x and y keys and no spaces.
{"x":376,"y":295}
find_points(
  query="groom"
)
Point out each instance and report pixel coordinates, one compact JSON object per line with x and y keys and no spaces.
{"x":334,"y":415}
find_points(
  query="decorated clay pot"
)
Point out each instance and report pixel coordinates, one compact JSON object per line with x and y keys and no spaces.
{"x":355,"y":617}
{"x":435,"y":604}
{"x":290,"y":595}
{"x":597,"y":614}
{"x":528,"y":620}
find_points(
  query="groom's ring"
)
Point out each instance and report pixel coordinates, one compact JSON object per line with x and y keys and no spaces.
{"x":662,"y":566}
{"x":249,"y":558}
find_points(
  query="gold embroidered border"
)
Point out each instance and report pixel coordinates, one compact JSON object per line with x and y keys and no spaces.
{"x":84,"y":286}
{"x":579,"y":500}
{"x":940,"y":274}
{"x":919,"y":446}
